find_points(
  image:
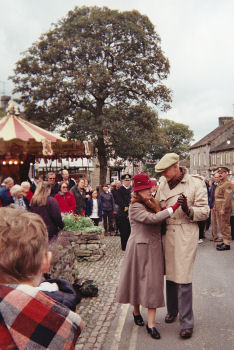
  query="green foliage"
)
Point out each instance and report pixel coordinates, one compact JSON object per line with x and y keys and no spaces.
{"x":2,"y":113}
{"x":94,"y":70}
{"x":79,"y":223}
{"x":171,"y":137}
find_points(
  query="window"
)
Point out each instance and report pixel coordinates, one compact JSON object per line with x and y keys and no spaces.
{"x":221,"y":159}
{"x":214,"y":159}
{"x":228,"y":158}
{"x":204,"y":158}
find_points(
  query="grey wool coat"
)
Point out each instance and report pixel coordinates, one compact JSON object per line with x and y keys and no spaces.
{"x":142,"y":270}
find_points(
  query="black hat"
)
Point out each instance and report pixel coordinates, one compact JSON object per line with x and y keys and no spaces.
{"x":126,"y":177}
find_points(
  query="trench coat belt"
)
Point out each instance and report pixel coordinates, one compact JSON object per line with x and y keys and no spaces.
{"x":175,"y":221}
{"x":219,"y":200}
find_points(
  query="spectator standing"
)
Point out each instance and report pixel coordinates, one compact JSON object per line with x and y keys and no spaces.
{"x":114,"y":192}
{"x":181,"y":238}
{"x":47,"y":207}
{"x":123,"y":199}
{"x":88,"y":188}
{"x":29,"y":319}
{"x":217,"y":236}
{"x":5,"y":193}
{"x":20,"y":201}
{"x":108,"y":208}
{"x":51,"y":177}
{"x":66,"y":178}
{"x":223,"y":207}
{"x":25,"y":185}
{"x":80,"y":196}
{"x":65,"y":199}
{"x":94,"y":208}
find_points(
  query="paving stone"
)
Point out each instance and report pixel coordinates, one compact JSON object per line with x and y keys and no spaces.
{"x":98,"y":312}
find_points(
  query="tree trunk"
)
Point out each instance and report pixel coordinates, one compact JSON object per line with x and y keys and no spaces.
{"x":102,"y":160}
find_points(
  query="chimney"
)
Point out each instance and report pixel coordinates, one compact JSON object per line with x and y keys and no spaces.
{"x":4,"y":102}
{"x":224,"y":120}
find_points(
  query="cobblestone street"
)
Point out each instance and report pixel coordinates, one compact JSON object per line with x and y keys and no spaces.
{"x":98,"y":312}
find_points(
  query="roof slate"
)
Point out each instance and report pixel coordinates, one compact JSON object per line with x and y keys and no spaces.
{"x":213,"y":135}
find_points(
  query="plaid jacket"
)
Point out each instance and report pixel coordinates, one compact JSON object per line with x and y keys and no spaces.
{"x":29,"y":319}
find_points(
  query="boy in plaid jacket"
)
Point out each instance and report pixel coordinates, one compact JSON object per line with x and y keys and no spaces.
{"x":29,"y":319}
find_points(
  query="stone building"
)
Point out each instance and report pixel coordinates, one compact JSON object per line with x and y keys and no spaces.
{"x":213,"y":150}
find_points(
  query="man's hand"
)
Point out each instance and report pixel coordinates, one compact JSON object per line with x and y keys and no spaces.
{"x":182,"y":201}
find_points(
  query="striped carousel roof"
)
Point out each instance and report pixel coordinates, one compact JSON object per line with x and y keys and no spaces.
{"x":13,"y":127}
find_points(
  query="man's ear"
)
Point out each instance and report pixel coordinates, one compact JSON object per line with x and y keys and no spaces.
{"x":45,"y":266}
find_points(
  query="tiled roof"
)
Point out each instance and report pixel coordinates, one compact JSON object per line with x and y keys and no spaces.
{"x":213,"y":135}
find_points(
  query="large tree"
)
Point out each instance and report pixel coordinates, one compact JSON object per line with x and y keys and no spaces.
{"x":100,"y":72}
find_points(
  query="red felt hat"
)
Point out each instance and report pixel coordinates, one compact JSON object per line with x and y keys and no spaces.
{"x":142,"y":182}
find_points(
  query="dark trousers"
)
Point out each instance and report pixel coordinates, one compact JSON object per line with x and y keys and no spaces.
{"x":95,"y":221}
{"x":232,"y":226}
{"x":107,"y":220}
{"x":124,"y":229}
{"x":201,"y":225}
{"x":179,"y":300}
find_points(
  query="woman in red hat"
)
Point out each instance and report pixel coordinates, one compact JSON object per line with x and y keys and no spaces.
{"x":141,"y":277}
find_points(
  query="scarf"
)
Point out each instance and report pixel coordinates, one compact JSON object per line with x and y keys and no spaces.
{"x":173,"y":183}
{"x":152,"y":205}
{"x":29,"y":319}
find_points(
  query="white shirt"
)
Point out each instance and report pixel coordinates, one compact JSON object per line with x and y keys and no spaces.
{"x":94,"y":214}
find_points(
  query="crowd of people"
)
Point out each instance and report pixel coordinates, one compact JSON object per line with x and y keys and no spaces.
{"x":159,"y":223}
{"x":50,"y":198}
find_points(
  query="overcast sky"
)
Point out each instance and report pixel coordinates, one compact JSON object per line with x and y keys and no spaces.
{"x":197,"y":38}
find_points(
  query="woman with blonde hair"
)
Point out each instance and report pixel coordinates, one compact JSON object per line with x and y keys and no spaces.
{"x":47,"y":207}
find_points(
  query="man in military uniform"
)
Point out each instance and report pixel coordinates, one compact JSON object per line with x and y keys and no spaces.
{"x":123,"y":198}
{"x":223,"y":207}
{"x":181,"y":238}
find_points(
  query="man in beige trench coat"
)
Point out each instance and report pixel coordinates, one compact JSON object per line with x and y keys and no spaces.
{"x":181,"y":238}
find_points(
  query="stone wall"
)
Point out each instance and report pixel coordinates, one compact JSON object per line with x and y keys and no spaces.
{"x":72,"y":246}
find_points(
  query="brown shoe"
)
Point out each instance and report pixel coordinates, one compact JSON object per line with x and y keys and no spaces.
{"x":186,"y":333}
{"x":218,"y":239}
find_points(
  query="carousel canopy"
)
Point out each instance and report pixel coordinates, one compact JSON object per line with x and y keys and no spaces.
{"x":19,"y":137}
{"x":12,"y":127}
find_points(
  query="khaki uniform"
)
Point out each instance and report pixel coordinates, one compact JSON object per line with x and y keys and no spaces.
{"x":223,"y":201}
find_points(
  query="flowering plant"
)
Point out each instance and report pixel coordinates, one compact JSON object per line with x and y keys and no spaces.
{"x":79,"y":223}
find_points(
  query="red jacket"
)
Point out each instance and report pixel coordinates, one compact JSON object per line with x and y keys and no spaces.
{"x":67,"y":202}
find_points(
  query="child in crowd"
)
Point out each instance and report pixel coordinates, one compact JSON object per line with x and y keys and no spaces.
{"x":94,"y":208}
{"x":29,"y":319}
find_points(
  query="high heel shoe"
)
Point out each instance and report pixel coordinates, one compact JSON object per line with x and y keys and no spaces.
{"x":153,"y":332}
{"x":138,"y":320}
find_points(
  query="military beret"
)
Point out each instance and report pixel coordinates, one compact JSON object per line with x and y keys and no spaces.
{"x":166,"y":161}
{"x":126,"y":177}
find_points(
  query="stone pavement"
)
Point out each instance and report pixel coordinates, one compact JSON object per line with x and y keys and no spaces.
{"x":98,"y":312}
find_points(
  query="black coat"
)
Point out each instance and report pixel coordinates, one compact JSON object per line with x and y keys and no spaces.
{"x":123,"y":198}
{"x":80,"y":197}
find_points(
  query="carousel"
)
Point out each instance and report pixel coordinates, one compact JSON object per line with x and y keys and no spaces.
{"x":23,"y":144}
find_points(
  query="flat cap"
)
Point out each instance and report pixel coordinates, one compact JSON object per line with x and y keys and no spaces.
{"x":166,"y":161}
